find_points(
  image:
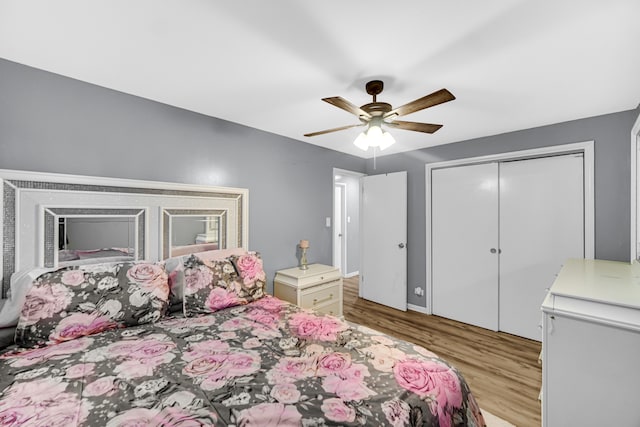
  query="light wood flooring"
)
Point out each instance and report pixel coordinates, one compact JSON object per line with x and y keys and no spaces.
{"x":501,"y":369}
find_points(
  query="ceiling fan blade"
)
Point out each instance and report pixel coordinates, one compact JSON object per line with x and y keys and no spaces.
{"x":418,"y":127}
{"x":333,"y":130}
{"x":347,"y":106}
{"x":437,"y":97}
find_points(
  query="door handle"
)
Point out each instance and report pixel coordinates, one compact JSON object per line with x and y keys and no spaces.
{"x":401,"y":245}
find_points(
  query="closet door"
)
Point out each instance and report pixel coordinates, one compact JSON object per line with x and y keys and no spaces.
{"x":541,"y":225}
{"x":464,"y":230}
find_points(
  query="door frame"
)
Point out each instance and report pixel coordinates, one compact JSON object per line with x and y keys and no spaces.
{"x":635,"y":215}
{"x":345,"y":248}
{"x":586,"y":148}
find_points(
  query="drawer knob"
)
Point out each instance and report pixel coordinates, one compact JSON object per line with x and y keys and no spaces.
{"x":317,"y":301}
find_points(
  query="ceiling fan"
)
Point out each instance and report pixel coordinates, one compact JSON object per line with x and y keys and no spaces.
{"x":376,"y":114}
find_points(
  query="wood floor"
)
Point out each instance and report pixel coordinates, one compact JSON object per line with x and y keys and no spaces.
{"x":501,"y":369}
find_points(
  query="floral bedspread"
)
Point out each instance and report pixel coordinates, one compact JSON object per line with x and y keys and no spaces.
{"x":267,"y":363}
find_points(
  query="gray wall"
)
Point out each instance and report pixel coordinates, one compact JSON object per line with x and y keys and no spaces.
{"x":50,"y":123}
{"x":612,"y":136}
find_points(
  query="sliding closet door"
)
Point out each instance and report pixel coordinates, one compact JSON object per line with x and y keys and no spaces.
{"x":464,"y":230}
{"x":541,"y":225}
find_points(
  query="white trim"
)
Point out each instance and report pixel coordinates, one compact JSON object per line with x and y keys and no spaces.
{"x":353,"y":274}
{"x":418,"y":308}
{"x":112,"y":182}
{"x":586,"y":147}
{"x":635,"y":147}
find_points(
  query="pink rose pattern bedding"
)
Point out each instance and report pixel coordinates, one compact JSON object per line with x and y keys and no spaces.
{"x":210,"y":286}
{"x":76,"y":301}
{"x":266,"y":363}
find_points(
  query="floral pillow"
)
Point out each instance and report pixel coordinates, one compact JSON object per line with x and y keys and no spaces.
{"x":211,"y":285}
{"x":175,"y":269}
{"x":249,"y":267}
{"x":76,"y":301}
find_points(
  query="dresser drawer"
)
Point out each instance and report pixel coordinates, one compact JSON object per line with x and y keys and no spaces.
{"x":324,"y":277}
{"x":334,"y":309}
{"x":320,"y":295}
{"x":314,"y":275}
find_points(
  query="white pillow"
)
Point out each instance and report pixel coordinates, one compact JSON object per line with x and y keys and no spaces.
{"x":20,"y":284}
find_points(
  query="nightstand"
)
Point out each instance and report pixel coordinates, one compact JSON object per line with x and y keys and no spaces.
{"x":319,"y":288}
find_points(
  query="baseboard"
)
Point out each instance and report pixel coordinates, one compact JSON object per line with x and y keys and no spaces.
{"x":418,"y":308}
{"x":349,"y":275}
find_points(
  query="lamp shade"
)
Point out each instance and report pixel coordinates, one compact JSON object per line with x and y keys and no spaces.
{"x":361,"y":141}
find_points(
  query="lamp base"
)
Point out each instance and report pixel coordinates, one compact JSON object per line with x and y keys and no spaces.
{"x":303,"y":260}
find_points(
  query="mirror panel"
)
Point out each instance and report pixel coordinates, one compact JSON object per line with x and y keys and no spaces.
{"x":187,"y":230}
{"x":73,"y":234}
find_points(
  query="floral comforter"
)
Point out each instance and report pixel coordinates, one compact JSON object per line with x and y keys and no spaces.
{"x":267,"y":363}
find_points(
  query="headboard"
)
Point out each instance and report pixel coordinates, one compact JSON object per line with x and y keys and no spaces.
{"x":46,"y":217}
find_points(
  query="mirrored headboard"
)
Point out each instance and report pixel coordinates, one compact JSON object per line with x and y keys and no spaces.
{"x":52,"y":220}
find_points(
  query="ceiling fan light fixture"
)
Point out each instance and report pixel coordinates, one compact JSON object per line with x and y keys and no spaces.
{"x":387,"y":140}
{"x":361,"y":141}
{"x":374,"y":136}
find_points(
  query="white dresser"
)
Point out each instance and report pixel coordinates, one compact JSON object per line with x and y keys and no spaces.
{"x":319,"y":288}
{"x":591,"y":345}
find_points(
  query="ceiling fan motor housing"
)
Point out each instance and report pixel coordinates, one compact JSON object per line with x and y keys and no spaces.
{"x":374,"y":87}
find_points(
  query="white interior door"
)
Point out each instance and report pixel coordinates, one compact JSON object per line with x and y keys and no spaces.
{"x":383,"y":236}
{"x":464,"y":245}
{"x":541,"y":225}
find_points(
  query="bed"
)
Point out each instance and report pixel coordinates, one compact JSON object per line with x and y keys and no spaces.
{"x":194,"y":340}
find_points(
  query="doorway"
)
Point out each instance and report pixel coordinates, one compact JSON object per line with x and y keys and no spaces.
{"x":346,"y":221}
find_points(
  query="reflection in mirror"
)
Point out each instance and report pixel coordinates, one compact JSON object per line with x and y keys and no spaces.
{"x":77,"y":234}
{"x":191,"y":231}
{"x":82,"y":238}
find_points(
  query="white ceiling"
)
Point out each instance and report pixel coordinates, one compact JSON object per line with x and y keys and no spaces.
{"x":512,"y":64}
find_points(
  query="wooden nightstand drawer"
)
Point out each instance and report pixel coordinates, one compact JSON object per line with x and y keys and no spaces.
{"x":334,"y":309}
{"x":320,"y":295}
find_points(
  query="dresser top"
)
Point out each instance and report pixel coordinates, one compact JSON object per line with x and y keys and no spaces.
{"x":313,"y":270}
{"x":609,"y":282}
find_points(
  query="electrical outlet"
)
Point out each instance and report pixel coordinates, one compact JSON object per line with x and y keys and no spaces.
{"x":418,"y":291}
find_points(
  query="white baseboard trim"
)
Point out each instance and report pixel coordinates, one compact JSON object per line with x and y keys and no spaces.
{"x":348,"y":275}
{"x":418,"y":308}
